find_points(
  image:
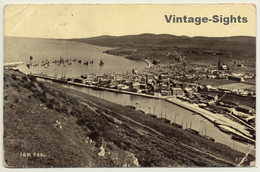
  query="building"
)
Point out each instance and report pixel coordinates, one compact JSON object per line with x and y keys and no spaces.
{"x":222,"y":66}
{"x":244,"y":108}
{"x":213,"y":97}
{"x":236,"y":78}
{"x":177,"y":91}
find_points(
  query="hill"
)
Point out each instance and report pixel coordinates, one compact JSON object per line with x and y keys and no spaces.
{"x":194,"y":49}
{"x":46,"y":125}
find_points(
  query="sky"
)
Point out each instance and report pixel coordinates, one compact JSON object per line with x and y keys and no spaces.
{"x":83,"y":21}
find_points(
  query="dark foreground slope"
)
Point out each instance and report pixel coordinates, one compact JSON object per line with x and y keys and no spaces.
{"x":73,"y":129}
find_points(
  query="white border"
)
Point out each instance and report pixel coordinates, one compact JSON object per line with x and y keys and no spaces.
{"x":4,"y":2}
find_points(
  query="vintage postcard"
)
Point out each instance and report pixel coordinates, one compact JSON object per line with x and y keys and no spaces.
{"x":129,"y":85}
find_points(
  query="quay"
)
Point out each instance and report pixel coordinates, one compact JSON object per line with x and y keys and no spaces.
{"x":217,"y":119}
{"x":221,"y":122}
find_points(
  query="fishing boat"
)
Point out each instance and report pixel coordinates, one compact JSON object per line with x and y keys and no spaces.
{"x":84,"y":76}
{"x":96,"y":88}
{"x":241,"y":139}
{"x":101,"y":63}
{"x":192,"y":131}
{"x":177,"y":125}
{"x":209,"y":138}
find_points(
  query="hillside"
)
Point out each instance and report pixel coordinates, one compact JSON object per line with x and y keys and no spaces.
{"x":70,"y":129}
{"x":194,"y":49}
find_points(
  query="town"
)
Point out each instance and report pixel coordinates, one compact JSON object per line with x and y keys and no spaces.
{"x":183,"y":83}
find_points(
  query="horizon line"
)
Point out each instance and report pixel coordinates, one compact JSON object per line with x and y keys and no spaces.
{"x":132,"y":35}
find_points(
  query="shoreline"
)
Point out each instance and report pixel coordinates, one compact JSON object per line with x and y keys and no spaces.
{"x":230,"y":126}
{"x":148,"y":63}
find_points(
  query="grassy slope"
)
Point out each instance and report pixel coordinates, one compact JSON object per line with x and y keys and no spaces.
{"x":30,"y":114}
{"x":29,"y":126}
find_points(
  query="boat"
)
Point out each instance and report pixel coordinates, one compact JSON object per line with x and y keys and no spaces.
{"x":241,"y":139}
{"x":101,"y":63}
{"x":84,"y":76}
{"x":209,"y":138}
{"x":152,"y":115}
{"x":192,"y":131}
{"x":177,"y":125}
{"x":165,"y":120}
{"x":96,"y":88}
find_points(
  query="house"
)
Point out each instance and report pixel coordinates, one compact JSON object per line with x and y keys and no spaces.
{"x":165,"y":93}
{"x":244,"y":108}
{"x":224,"y":67}
{"x":177,"y":91}
{"x":213,"y":97}
{"x":236,"y":78}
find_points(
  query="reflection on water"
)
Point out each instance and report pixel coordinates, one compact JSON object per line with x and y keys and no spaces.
{"x":20,"y":50}
{"x":17,"y":50}
{"x":170,"y":111}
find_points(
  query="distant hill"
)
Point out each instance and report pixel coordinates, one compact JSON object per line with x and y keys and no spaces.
{"x":145,"y":40}
{"x":197,"y":50}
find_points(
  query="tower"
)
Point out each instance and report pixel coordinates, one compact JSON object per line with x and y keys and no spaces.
{"x":219,"y":64}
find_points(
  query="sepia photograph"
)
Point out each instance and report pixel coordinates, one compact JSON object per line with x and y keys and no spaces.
{"x":129,"y":85}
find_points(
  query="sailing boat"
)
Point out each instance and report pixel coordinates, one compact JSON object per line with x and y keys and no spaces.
{"x":101,"y":63}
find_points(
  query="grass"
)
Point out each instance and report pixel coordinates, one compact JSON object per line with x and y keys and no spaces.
{"x":215,"y":82}
{"x":35,"y":120}
{"x":240,"y":100}
{"x":168,"y":131}
{"x":31,"y":127}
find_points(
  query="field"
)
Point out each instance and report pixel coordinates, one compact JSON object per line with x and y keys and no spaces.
{"x":240,"y":100}
{"x":229,"y":83}
{"x":239,"y":86}
{"x":216,"y":82}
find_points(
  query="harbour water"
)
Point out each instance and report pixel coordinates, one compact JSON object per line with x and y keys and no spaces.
{"x":175,"y":113}
{"x":54,"y":49}
{"x":51,"y":49}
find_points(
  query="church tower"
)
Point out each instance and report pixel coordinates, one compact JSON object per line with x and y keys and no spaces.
{"x":219,"y":64}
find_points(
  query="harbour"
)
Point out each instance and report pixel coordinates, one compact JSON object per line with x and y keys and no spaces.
{"x":175,"y":112}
